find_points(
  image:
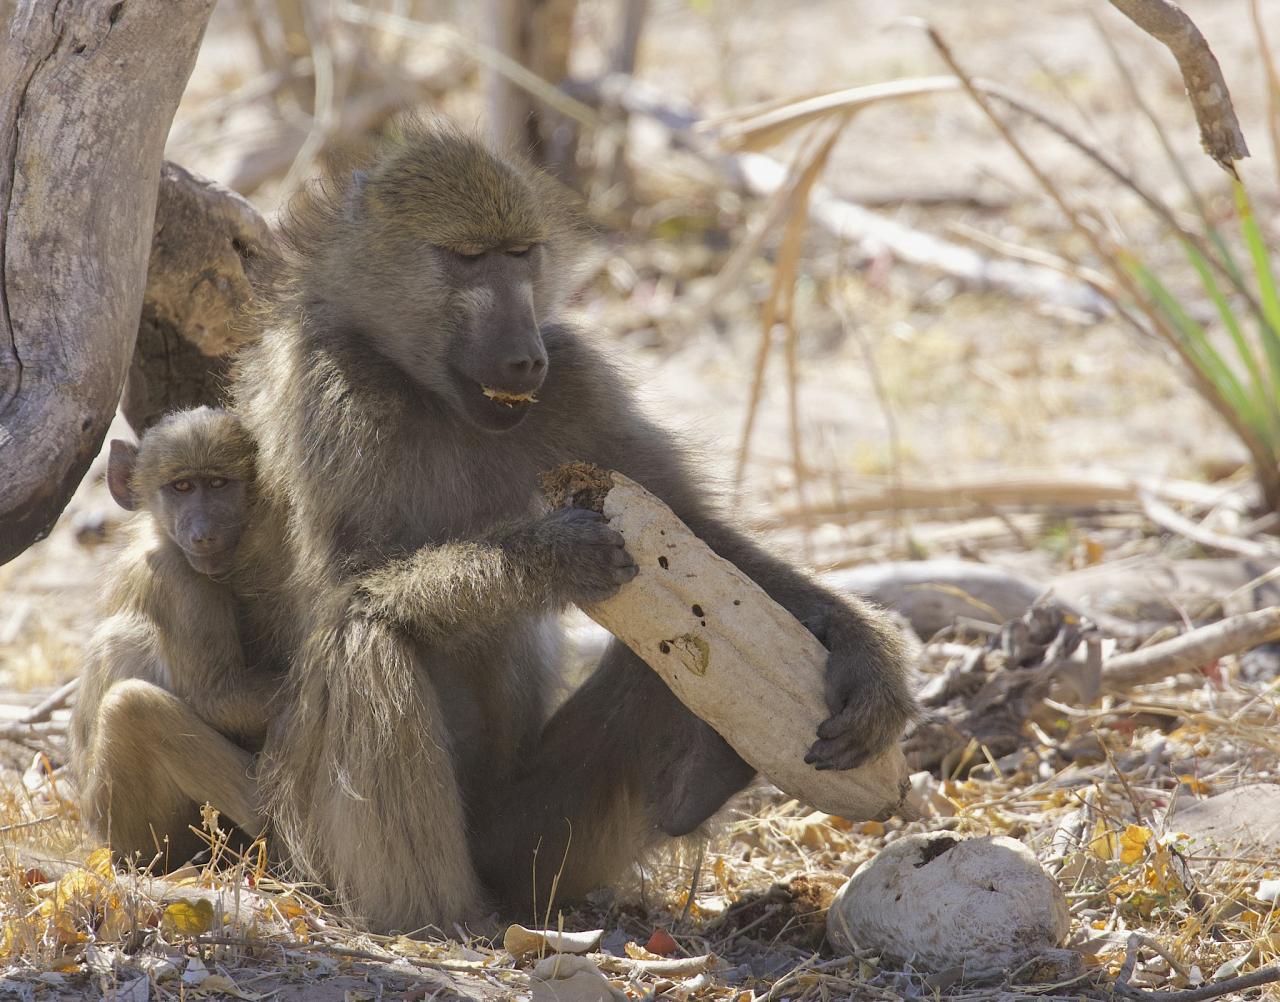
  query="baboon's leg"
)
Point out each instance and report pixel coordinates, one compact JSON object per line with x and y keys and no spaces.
{"x":153,"y":762}
{"x":361,"y":784}
{"x":621,"y":764}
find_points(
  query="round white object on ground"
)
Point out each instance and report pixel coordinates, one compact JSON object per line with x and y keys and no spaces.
{"x":942,"y":901}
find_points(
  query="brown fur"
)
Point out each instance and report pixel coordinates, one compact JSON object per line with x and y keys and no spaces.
{"x":204,"y":441}
{"x":406,"y":570}
{"x":168,"y":715}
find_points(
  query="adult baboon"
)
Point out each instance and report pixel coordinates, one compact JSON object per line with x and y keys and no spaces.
{"x":168,"y":715}
{"x":413,"y":384}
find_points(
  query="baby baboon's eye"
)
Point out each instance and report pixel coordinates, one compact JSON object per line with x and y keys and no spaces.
{"x":216,"y":482}
{"x":468,"y":254}
{"x":181,"y":486}
{"x":520,"y":251}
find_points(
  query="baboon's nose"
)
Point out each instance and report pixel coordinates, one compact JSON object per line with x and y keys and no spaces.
{"x":525,"y":372}
{"x":202,"y":542}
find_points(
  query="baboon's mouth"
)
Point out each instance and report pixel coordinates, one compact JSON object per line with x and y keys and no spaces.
{"x":212,"y":563}
{"x":506,"y":398}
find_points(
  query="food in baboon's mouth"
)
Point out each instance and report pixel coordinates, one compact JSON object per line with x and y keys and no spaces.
{"x":510,"y":399}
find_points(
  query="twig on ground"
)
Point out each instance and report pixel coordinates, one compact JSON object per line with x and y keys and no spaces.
{"x":1165,"y":517}
{"x":1192,"y":650}
{"x":1254,"y":979}
{"x":56,"y":700}
{"x":32,"y":735}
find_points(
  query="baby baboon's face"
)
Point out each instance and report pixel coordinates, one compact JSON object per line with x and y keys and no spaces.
{"x":205,"y":516}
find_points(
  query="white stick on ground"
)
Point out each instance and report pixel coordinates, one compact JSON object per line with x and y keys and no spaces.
{"x":734,"y":657}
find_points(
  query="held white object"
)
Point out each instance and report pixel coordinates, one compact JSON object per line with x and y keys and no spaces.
{"x":734,"y":657}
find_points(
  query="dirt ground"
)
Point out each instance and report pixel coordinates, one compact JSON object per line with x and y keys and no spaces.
{"x":904,"y":374}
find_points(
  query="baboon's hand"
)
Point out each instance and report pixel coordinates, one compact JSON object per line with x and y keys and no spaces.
{"x":591,"y":560}
{"x":870,"y":706}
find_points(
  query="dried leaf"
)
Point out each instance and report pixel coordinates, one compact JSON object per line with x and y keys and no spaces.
{"x":188,"y":918}
{"x":1133,"y":843}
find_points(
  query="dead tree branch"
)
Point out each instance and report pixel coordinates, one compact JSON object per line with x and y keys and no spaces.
{"x":209,"y":247}
{"x":89,"y":93}
{"x":1207,"y":90}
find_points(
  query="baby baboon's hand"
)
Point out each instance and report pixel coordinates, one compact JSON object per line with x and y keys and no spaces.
{"x":591,"y":560}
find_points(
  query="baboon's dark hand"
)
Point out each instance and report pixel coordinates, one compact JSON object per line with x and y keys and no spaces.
{"x":591,"y":559}
{"x":869,"y":708}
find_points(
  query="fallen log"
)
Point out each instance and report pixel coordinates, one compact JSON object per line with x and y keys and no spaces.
{"x":730,"y":653}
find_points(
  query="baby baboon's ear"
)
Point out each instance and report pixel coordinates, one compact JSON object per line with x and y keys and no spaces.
{"x":120,"y":463}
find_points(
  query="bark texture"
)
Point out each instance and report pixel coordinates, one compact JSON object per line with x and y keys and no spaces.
{"x":209,"y":248}
{"x":1168,"y":24}
{"x":89,"y":91}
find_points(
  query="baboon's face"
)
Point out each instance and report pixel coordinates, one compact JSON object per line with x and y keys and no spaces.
{"x":464,"y":324}
{"x":205,"y":516}
{"x":203,"y":513}
{"x":495,"y":358}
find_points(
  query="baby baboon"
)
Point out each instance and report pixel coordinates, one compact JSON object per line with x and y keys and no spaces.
{"x":168,"y":715}
{"x":412,"y":386}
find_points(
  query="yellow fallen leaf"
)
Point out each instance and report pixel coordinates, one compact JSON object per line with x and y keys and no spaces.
{"x":99,"y":862}
{"x":1133,"y":843}
{"x":1104,"y":843}
{"x":188,"y":918}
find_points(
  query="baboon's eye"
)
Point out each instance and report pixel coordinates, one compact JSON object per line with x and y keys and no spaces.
{"x":181,"y":486}
{"x":520,"y":251}
{"x":468,"y":255}
{"x":217,"y":482}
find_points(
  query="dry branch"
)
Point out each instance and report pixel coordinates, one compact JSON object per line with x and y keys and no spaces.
{"x":729,"y":652}
{"x":209,"y":246}
{"x":763,"y":176}
{"x":1206,"y":88}
{"x":89,"y":92}
{"x":1165,"y":517}
{"x":1192,"y":650}
{"x":1014,"y":490}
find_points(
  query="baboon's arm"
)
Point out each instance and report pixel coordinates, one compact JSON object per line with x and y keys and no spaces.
{"x":449,"y":593}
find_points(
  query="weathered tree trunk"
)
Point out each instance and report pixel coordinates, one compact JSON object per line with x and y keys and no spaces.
{"x":89,"y":91}
{"x":209,"y":248}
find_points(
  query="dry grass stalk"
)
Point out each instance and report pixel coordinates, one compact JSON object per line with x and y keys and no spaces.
{"x":1265,"y":468}
{"x":1031,"y":490}
{"x":779,"y":307}
{"x":1273,"y":82}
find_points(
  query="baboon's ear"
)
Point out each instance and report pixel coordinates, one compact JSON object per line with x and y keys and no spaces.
{"x":355,"y":197}
{"x":120,"y":462}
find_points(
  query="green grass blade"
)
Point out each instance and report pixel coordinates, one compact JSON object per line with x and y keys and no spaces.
{"x":1195,"y":341}
{"x":1262,"y":389}
{"x":1269,"y":331}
